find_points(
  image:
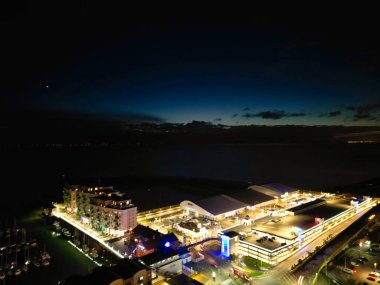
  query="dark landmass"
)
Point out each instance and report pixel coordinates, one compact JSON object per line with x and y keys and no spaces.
{"x":54,"y":129}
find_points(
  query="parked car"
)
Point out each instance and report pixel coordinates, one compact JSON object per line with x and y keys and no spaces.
{"x":348,"y":270}
{"x":354,"y":263}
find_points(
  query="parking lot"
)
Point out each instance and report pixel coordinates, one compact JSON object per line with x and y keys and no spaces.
{"x":360,"y":263}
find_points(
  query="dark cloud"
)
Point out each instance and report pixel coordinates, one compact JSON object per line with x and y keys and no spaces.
{"x":273,"y":115}
{"x":361,"y":116}
{"x":248,"y":115}
{"x":335,"y":113}
{"x":297,"y":115}
{"x":350,"y":108}
{"x":235,"y":115}
{"x":246,"y":109}
{"x":369,"y":108}
{"x":366,"y":112}
{"x":330,"y":114}
{"x":217,"y":119}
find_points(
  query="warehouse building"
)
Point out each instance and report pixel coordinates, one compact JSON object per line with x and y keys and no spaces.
{"x":222,"y":206}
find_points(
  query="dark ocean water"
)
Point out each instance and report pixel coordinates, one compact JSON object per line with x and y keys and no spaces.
{"x":28,"y":174}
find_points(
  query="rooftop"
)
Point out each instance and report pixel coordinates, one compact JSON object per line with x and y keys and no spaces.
{"x":251,"y":197}
{"x":101,"y":275}
{"x":282,"y":227}
{"x":272,"y":189}
{"x":157,"y":256}
{"x":231,"y":234}
{"x":189,"y":225}
{"x":307,"y":205}
{"x":124,"y":269}
{"x":146,"y":232}
{"x":88,"y":182}
{"x":279,"y":188}
{"x":183,"y":279}
{"x":127,"y":268}
{"x":220,"y":204}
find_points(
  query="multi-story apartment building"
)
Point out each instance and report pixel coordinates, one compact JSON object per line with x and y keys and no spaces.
{"x":102,"y":207}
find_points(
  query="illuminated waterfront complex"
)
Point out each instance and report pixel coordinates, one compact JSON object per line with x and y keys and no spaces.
{"x":101,"y":207}
{"x":272,"y":223}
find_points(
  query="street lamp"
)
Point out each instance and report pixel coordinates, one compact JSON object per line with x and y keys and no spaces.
{"x":375,"y":264}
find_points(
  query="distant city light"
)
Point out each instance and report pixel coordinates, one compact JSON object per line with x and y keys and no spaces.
{"x":167,"y":244}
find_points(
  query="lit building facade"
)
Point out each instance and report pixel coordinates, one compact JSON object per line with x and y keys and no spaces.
{"x":102,"y":208}
{"x":233,"y":244}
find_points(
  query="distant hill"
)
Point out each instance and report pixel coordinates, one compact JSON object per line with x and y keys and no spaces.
{"x":52,"y":129}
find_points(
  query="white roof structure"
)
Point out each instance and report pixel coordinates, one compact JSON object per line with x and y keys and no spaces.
{"x":214,"y":206}
{"x":251,"y":197}
{"x":272,"y":189}
{"x":223,"y":204}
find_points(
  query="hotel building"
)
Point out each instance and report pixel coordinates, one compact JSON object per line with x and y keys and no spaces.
{"x":101,"y":207}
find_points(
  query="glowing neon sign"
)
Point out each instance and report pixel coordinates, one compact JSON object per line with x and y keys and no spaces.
{"x":225,"y":249}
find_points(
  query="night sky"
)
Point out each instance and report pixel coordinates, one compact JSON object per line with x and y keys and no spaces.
{"x":153,"y":65}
